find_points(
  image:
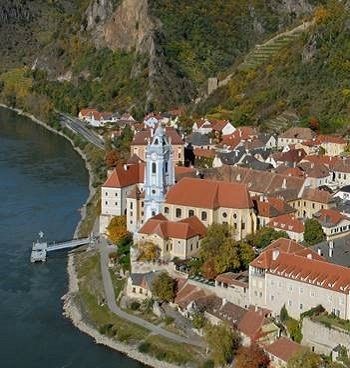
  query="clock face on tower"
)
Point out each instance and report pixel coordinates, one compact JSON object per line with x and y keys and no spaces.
{"x":153,"y":156}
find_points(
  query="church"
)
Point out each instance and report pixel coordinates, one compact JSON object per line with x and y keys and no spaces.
{"x":170,"y":206}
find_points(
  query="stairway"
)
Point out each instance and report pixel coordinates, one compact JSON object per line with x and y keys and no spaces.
{"x":262,"y":53}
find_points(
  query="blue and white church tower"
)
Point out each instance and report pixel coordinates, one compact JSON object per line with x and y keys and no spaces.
{"x":160,"y":172}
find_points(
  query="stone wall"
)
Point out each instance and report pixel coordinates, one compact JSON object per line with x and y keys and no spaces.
{"x":322,"y":339}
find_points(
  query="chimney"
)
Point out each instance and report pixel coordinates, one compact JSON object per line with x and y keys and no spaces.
{"x":331,"y":247}
{"x":109,"y":172}
{"x":151,"y":132}
{"x":224,"y":301}
{"x":125,"y":167}
{"x":319,"y":251}
{"x":284,"y":184}
{"x":309,"y":256}
{"x":275,"y":254}
{"x":299,"y":153}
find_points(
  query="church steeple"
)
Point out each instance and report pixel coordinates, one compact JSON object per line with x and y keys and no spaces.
{"x":160,"y":173}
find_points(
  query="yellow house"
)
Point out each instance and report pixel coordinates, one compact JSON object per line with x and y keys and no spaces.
{"x":179,"y":239}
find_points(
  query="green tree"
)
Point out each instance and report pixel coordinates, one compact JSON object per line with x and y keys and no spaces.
{"x":265,"y":236}
{"x":221,"y":253}
{"x":313,"y":232}
{"x":222,"y":342}
{"x":284,"y":314}
{"x":163,"y":287}
{"x":305,"y":359}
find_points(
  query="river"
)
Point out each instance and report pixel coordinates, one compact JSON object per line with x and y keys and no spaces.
{"x":43,"y":183}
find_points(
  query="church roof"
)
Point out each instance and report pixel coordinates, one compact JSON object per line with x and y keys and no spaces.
{"x":125,"y":175}
{"x":209,"y":194}
{"x":184,"y":229}
{"x":141,"y":138}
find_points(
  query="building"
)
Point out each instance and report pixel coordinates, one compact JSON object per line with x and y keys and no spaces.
{"x":139,"y":285}
{"x":256,"y":326}
{"x":343,"y":193}
{"x":288,"y":274}
{"x":114,"y":192}
{"x":160,"y":173}
{"x":281,"y":351}
{"x":96,"y":118}
{"x":290,"y":224}
{"x":295,"y":135}
{"x":143,"y":137}
{"x":180,"y":239}
{"x":334,"y":223}
{"x":206,"y":126}
{"x":212,"y":201}
{"x":311,"y":201}
{"x":268,"y":208}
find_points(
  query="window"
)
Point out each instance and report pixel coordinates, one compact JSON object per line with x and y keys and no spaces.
{"x":153,"y":213}
{"x":301,"y":290}
{"x":131,"y":213}
{"x":235,"y":215}
{"x":301,"y":306}
{"x":116,"y":203}
{"x":243,"y":225}
{"x":204,"y":216}
{"x":272,"y":297}
{"x":235,"y":226}
{"x":106,"y":202}
{"x":154,"y":167}
{"x":106,"y":193}
{"x":131,"y":205}
{"x":191,"y":247}
{"x":142,"y":204}
{"x":116,"y":194}
{"x":166,"y":167}
{"x":190,"y":213}
{"x":178,"y":212}
{"x":166,"y":209}
{"x":153,"y":191}
{"x":224,"y":215}
{"x":290,"y":303}
{"x":260,"y":294}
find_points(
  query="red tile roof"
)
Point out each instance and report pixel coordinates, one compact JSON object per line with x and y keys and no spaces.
{"x":263,"y":182}
{"x":287,"y":222}
{"x":331,"y":217}
{"x":337,"y":139}
{"x":271,"y":207}
{"x":317,"y":195}
{"x":187,"y":294}
{"x":141,"y":138}
{"x":125,"y":175}
{"x":293,"y":155}
{"x":235,"y":279}
{"x":252,"y":322}
{"x":264,"y":260}
{"x":184,"y":229}
{"x":209,"y":194}
{"x":303,"y":264}
{"x":201,"y":152}
{"x":283,"y":349}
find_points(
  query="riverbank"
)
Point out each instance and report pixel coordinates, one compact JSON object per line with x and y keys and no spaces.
{"x":82,"y":154}
{"x":74,"y":313}
{"x":71,"y":309}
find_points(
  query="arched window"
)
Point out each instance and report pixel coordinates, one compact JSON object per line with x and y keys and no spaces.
{"x":166,"y":167}
{"x":156,"y":141}
{"x":154,"y":168}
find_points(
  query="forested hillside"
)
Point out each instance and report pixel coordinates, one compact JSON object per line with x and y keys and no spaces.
{"x":310,"y":77}
{"x":143,"y":55}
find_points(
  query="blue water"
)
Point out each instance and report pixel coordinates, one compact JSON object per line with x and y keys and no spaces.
{"x":43,"y":183}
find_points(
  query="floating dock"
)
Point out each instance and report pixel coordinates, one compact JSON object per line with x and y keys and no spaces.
{"x":41,"y":248}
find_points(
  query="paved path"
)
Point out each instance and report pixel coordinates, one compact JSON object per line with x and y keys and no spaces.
{"x":81,"y":129}
{"x":110,"y":297}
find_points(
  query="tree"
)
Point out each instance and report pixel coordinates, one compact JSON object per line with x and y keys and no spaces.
{"x":116,"y":230}
{"x":222,"y":342}
{"x":221,"y":253}
{"x":305,"y":359}
{"x":163,"y":287}
{"x":252,"y":357}
{"x":265,"y":236}
{"x":284,"y":316}
{"x":246,"y":254}
{"x":148,"y":251}
{"x":313,"y":232}
{"x":112,"y":158}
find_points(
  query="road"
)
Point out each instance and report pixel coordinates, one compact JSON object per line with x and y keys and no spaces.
{"x":78,"y":127}
{"x":110,"y":297}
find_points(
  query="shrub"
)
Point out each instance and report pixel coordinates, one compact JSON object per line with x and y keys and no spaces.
{"x":135,"y":305}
